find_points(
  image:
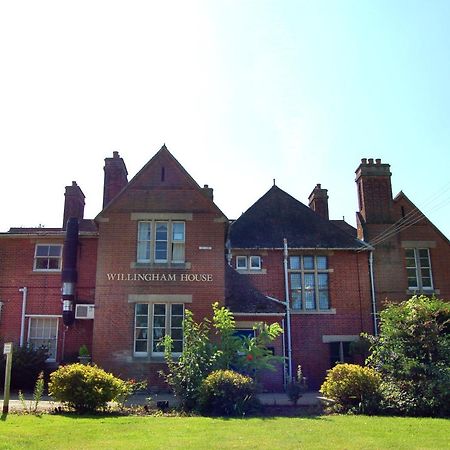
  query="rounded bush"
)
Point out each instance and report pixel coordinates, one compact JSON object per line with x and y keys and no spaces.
{"x":353,"y":388}
{"x":227,"y":393}
{"x":85,"y":388}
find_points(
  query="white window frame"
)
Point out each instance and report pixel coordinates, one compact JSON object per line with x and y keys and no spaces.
{"x":168,"y":328}
{"x":298,"y":268}
{"x":251,"y":259}
{"x":418,"y":270}
{"x":239,"y":260}
{"x":150,"y":243}
{"x":55,"y":339}
{"x":47,"y":257}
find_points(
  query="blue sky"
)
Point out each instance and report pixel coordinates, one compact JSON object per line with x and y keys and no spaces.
{"x":242,"y":92}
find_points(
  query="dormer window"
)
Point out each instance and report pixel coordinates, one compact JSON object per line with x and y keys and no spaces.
{"x":241,"y":262}
{"x":255,"y":262}
{"x":248,"y":263}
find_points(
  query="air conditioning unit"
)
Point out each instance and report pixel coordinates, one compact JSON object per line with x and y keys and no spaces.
{"x":84,"y":311}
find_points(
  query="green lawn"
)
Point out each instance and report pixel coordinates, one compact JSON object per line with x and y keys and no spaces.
{"x":322,"y":432}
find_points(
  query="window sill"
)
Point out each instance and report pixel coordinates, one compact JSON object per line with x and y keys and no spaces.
{"x":175,"y":266}
{"x":423,"y":291}
{"x":46,"y":272}
{"x":314,"y":312}
{"x":252,"y":271}
{"x":151,"y":359}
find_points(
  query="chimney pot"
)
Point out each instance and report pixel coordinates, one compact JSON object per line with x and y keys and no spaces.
{"x":370,"y":160}
{"x":378,"y":161}
{"x":364,"y":161}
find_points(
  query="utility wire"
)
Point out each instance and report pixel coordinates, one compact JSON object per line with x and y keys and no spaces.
{"x":412,"y":217}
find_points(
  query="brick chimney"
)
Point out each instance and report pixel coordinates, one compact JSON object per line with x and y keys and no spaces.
{"x":374,"y":191}
{"x":73,"y":203}
{"x":115,"y":177}
{"x":318,"y":201}
{"x":209,"y":192}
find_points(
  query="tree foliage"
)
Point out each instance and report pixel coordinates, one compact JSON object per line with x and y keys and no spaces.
{"x":202,"y":355}
{"x":412,"y":353}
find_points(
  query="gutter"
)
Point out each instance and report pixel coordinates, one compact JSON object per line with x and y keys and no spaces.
{"x":24,"y":291}
{"x":372,"y":291}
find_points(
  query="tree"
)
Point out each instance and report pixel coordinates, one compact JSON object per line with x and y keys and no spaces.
{"x":412,"y":353}
{"x":201,"y":355}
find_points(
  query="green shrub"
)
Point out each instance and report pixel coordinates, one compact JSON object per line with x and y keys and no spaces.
{"x":86,"y":388}
{"x":412,"y":354}
{"x":227,"y":393}
{"x":27,"y":363}
{"x":352,"y":388}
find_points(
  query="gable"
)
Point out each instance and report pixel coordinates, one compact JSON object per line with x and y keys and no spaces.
{"x":162,"y":185}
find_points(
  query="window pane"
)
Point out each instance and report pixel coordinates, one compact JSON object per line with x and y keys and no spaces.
{"x":294,"y":262}
{"x":322,"y":262}
{"x":423,"y":253}
{"x":142,"y":308}
{"x":309,"y":281}
{"x":296,"y":281}
{"x":42,"y":264}
{"x":177,"y":321}
{"x":159,"y":321}
{"x":323,"y":300}
{"x":54,"y":250}
{"x":53,"y":264}
{"x":296,"y":300}
{"x":159,"y":309}
{"x":308,"y":262}
{"x":161,"y":231}
{"x":161,"y":251}
{"x":410,"y":253}
{"x":144,"y":231}
{"x":141,"y":321}
{"x":322,"y":279}
{"x":178,"y":231}
{"x":178,"y":252}
{"x":255,"y":262}
{"x":178,"y":310}
{"x":177,"y":346}
{"x":42,"y":250}
{"x":142,"y":333}
{"x":310,"y":300}
{"x":241,"y":262}
{"x":177,"y":334}
{"x":140,"y":346}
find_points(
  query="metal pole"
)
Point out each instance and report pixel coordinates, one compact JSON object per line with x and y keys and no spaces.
{"x":7,"y":349}
{"x":288,"y":309}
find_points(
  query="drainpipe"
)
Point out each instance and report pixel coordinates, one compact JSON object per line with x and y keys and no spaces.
{"x":288,"y":308}
{"x":374,"y":300}
{"x":24,"y":291}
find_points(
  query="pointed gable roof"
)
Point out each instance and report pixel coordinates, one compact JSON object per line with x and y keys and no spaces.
{"x":415,"y":215}
{"x":277,"y":215}
{"x":163,"y":184}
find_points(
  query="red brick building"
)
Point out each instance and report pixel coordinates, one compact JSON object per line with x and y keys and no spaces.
{"x":119,"y":282}
{"x":410,"y":255}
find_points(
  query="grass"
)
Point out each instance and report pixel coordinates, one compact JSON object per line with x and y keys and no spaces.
{"x":136,"y":432}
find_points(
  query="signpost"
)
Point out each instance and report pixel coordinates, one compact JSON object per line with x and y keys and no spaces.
{"x":7,"y":350}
